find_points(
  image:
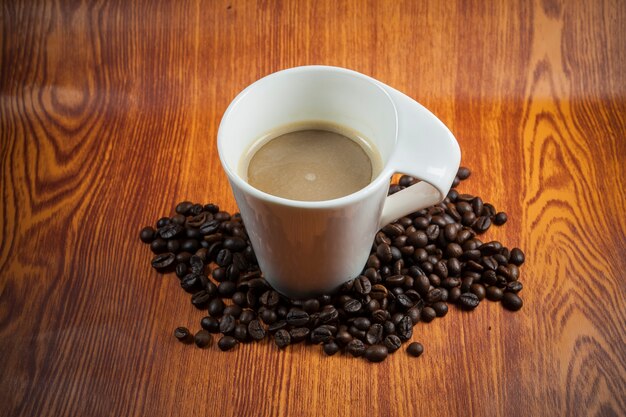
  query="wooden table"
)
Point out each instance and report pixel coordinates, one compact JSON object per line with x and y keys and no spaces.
{"x":109,"y":113}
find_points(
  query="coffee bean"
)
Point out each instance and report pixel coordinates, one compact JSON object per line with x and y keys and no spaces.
{"x":224,"y":257}
{"x":297,"y":317}
{"x":352,"y":306}
{"x":482,"y":224}
{"x":468,"y":301}
{"x":330,"y":348}
{"x":311,"y":305}
{"x":517,"y":256}
{"x":210,"y":324}
{"x":200,"y":299}
{"x":355,"y":348}
{"x":395,"y":281}
{"x":415,"y":349}
{"x":182,"y":334}
{"x":298,"y":334}
{"x":216,"y":307}
{"x":255,"y":330}
{"x":494,"y":293}
{"x":428,"y":314}
{"x":162,"y":222}
{"x":232,"y":310}
{"x":163,"y":261}
{"x":282,"y":338}
{"x":376,"y":353}
{"x":170,"y":230}
{"x":404,"y":328}
{"x":500,"y":218}
{"x":479,"y":291}
{"x":463,"y":173}
{"x":392,"y":342}
{"x":321,"y":334}
{"x":202,"y":338}
{"x":383,"y":252}
{"x":511,"y":301}
{"x":514,"y":286}
{"x":147,"y":234}
{"x":158,"y":245}
{"x":184,"y":207}
{"x":362,"y":285}
{"x":227,"y":343}
{"x":374,"y":334}
{"x":440,"y":308}
{"x":227,"y":324}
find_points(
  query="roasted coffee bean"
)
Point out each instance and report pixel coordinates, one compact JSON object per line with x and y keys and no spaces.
{"x":226,"y":289}
{"x":209,"y":228}
{"x":183,"y":257}
{"x":477,"y":206}
{"x":362,"y":285}
{"x":404,"y":329}
{"x":321,"y":334}
{"x":404,"y":301}
{"x":517,"y":256}
{"x":392,"y":342}
{"x":468,"y":301}
{"x":190,"y":245}
{"x":494,"y":293}
{"x":255,"y":330}
{"x":355,"y":348}
{"x":415,"y":313}
{"x":173,"y":245}
{"x":184,"y":207}
{"x":227,"y":343}
{"x":374,"y":334}
{"x":463,"y":173}
{"x":191,"y":283}
{"x":482,"y":224}
{"x":393,"y":230}
{"x":282,"y":338}
{"x":297,"y":317}
{"x":279,"y":324}
{"x":433,"y":296}
{"x":235,"y":244}
{"x":363,"y":323}
{"x":233,"y":310}
{"x":428,"y":314}
{"x":269,"y":316}
{"x":328,"y":314}
{"x":227,"y":324}
{"x":200,"y":299}
{"x":330,"y":348}
{"x":182,"y":334}
{"x":246,"y":316}
{"x":147,"y":234}
{"x":163,"y":261}
{"x":376,"y":353}
{"x":170,"y":230}
{"x":514,"y":286}
{"x":311,"y":305}
{"x":511,"y":301}
{"x":440,"y":308}
{"x":298,"y":334}
{"x":216,"y":307}
{"x":241,"y":332}
{"x":239,"y":298}
{"x":454,"y":294}
{"x":500,"y":218}
{"x":224,"y":258}
{"x":202,"y":338}
{"x":181,"y":270}
{"x":158,"y":245}
{"x":269,"y":298}
{"x":479,"y":291}
{"x":378,"y":292}
{"x":210,"y":324}
{"x":197,"y":264}
{"x":352,"y":306}
{"x":383,"y":252}
{"x":395,"y":281}
{"x":415,"y":349}
{"x":163,"y":221}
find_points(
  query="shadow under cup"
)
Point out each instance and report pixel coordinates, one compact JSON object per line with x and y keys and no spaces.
{"x":306,"y":247}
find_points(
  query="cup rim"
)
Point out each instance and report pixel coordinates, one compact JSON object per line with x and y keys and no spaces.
{"x":384,"y":175}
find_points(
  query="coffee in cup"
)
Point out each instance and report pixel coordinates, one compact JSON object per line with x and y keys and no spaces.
{"x":311,"y":161}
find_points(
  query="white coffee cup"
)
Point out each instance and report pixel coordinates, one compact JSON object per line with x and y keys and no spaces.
{"x":309,"y":247}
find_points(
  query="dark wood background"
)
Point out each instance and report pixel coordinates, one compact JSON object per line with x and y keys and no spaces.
{"x":109,"y":112}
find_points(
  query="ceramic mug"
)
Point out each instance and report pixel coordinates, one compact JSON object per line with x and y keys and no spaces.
{"x":309,"y":247}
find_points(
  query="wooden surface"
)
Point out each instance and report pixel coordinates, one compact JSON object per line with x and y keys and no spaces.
{"x":109,"y":112}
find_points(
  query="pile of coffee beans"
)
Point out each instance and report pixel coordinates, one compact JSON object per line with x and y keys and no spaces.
{"x":419,"y":265}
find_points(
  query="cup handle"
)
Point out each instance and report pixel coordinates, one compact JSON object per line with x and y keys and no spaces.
{"x":426,"y":150}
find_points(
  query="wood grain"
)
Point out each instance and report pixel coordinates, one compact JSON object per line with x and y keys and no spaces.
{"x":109,"y":112}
